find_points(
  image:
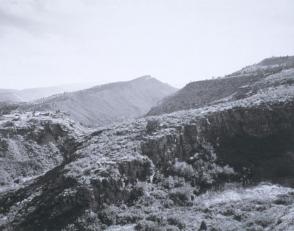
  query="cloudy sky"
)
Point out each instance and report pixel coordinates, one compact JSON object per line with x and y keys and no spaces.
{"x":56,"y":42}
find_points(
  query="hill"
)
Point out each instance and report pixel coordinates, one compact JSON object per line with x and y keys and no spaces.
{"x":241,"y":84}
{"x":108,"y":103}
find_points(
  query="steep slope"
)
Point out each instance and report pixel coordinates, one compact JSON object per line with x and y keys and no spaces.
{"x":155,"y":173}
{"x":108,"y":103}
{"x":240,"y":84}
{"x":31,"y":144}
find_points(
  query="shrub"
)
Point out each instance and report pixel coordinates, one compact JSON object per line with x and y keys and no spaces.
{"x":181,"y":196}
{"x":152,"y":126}
{"x":176,"y":222}
{"x":3,"y":145}
{"x":183,"y":169}
{"x":145,"y":225}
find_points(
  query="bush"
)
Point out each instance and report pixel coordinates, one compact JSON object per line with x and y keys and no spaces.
{"x":181,"y":196}
{"x":3,"y":145}
{"x":152,"y":126}
{"x":176,"y":222}
{"x":183,"y":169}
{"x":173,"y":182}
{"x":145,"y":225}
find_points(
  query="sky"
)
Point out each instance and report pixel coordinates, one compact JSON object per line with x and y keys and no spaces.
{"x":58,"y":42}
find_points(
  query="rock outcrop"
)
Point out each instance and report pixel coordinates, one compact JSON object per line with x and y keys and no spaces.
{"x":31,"y":144}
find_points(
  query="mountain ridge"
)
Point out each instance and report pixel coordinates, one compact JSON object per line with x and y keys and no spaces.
{"x":107,"y":103}
{"x":31,"y":94}
{"x":239,"y":84}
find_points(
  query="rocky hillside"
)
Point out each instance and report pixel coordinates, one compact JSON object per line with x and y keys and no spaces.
{"x":108,"y":103}
{"x":33,"y":143}
{"x":199,"y":169}
{"x":250,"y":80}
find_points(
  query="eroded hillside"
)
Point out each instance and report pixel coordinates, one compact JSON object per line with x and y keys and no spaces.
{"x":191,"y":170}
{"x":33,"y":143}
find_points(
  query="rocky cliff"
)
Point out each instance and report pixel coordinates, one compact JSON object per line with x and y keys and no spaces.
{"x":199,"y":169}
{"x":33,"y":143}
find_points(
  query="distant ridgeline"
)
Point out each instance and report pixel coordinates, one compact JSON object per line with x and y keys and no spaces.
{"x":248,"y":81}
{"x":107,"y":103}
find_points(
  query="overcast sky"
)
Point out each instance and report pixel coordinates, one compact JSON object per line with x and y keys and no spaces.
{"x":55,"y":42}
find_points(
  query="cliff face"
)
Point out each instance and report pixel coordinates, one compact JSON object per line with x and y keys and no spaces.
{"x":255,"y":141}
{"x":33,"y":144}
{"x":153,"y":173}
